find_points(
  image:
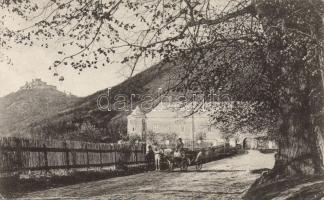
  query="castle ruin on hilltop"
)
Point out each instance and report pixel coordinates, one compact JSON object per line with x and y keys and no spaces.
{"x":37,"y":84}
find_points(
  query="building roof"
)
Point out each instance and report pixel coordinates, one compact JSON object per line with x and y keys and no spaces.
{"x":175,"y":110}
{"x":137,"y":112}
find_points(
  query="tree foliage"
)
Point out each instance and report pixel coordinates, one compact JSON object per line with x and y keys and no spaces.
{"x":235,"y":49}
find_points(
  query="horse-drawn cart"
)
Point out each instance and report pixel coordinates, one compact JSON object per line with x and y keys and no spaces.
{"x":184,"y":159}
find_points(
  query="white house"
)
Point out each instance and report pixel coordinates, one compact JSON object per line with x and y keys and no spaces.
{"x":174,"y":119}
{"x":136,"y":123}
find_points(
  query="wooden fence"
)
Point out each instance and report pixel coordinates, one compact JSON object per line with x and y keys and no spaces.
{"x":19,"y":154}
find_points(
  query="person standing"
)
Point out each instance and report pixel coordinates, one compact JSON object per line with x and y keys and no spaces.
{"x":180,"y":145}
{"x":157,"y":158}
{"x":149,"y":157}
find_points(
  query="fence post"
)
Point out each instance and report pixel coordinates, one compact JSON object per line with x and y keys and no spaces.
{"x":45,"y":157}
{"x":66,"y":150}
{"x":73,"y":156}
{"x":100,"y":156}
{"x":19,"y":154}
{"x":87,"y":156}
{"x":115,"y":150}
{"x":136,"y":149}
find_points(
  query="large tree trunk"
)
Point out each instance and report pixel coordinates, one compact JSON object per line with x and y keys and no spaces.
{"x":298,"y":150}
{"x":300,"y":145}
{"x":299,"y":95}
{"x":319,"y":129}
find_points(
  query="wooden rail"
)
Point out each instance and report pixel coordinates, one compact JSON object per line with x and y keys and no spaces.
{"x":20,"y":154}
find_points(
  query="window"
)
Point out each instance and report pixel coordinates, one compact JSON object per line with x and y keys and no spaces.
{"x":155,"y":127}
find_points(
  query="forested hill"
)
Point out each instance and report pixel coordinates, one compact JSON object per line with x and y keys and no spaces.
{"x":28,"y":105}
{"x":83,"y":120}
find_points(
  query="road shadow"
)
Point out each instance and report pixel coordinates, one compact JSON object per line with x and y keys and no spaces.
{"x":191,"y":191}
{"x":203,"y":171}
{"x":254,"y":171}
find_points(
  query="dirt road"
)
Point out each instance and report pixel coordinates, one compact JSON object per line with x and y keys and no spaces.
{"x":224,"y":179}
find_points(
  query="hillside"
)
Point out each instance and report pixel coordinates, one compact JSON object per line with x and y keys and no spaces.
{"x":81,"y":119}
{"x":84,"y":121}
{"x":20,"y":109}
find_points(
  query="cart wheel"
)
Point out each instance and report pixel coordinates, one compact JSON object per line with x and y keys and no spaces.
{"x":199,"y":166}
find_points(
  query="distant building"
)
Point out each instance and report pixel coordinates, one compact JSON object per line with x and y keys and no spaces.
{"x":136,"y":123}
{"x":37,"y":84}
{"x":172,"y":119}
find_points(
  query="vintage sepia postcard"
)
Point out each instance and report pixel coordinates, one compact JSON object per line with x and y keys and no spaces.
{"x":162,"y":99}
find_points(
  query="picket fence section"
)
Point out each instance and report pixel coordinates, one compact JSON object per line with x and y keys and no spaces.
{"x":20,"y":154}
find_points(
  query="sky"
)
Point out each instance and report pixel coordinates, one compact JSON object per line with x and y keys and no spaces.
{"x":30,"y":62}
{"x":33,"y":62}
